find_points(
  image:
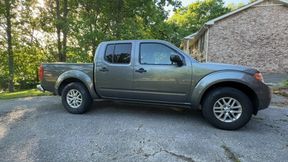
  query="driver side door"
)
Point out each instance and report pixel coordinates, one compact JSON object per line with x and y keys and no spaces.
{"x":156,"y":78}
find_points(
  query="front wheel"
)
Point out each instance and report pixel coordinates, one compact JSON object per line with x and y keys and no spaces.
{"x":227,"y":108}
{"x":76,"y":98}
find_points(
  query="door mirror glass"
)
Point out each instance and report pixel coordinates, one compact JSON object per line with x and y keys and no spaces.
{"x":176,"y":59}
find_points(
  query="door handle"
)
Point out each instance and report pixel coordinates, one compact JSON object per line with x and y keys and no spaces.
{"x":104,"y":69}
{"x":141,"y":70}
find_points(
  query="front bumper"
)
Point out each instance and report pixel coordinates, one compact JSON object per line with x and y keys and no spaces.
{"x":264,"y":95}
{"x":39,"y":87}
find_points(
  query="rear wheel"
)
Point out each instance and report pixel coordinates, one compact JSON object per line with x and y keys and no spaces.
{"x":227,"y":108}
{"x":76,"y":98}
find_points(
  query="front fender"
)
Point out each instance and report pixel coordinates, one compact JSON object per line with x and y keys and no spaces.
{"x":217,"y":77}
{"x":79,"y":75}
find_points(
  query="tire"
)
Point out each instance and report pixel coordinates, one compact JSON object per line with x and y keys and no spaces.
{"x":222,"y":101}
{"x":75,"y":98}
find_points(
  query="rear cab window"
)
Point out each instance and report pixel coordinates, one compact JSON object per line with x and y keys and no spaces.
{"x":119,"y":53}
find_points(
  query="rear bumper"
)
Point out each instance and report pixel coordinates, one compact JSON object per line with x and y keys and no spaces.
{"x":39,"y":87}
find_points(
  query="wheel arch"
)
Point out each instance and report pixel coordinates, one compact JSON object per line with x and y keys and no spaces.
{"x":75,"y":76}
{"x":239,"y":86}
{"x":235,"y":79}
{"x":66,"y":82}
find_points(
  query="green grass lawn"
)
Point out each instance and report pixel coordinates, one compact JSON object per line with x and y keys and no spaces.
{"x":24,"y":93}
{"x":286,"y":84}
{"x":282,"y":89}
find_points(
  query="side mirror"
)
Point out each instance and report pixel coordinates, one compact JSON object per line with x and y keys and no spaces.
{"x":176,"y":59}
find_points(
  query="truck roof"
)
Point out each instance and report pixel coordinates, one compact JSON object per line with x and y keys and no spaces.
{"x":143,"y":40}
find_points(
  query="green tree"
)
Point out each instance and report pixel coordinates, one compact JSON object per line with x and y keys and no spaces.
{"x":190,"y":19}
{"x":27,"y":51}
{"x":6,"y":9}
{"x":55,"y":17}
{"x":235,"y":6}
{"x":62,"y":28}
{"x":97,"y":20}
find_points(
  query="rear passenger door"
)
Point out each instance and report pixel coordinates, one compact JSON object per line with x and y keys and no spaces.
{"x":114,"y":73}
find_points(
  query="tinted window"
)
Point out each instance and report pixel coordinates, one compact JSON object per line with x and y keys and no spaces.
{"x":122,"y":53}
{"x":109,"y":53}
{"x":155,"y":53}
{"x":118,"y":53}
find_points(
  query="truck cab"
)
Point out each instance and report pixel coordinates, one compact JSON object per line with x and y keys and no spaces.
{"x":143,"y":70}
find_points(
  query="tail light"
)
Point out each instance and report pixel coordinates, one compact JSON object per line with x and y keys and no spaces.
{"x":41,"y":72}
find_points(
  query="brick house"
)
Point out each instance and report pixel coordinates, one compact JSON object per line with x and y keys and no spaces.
{"x":254,"y":35}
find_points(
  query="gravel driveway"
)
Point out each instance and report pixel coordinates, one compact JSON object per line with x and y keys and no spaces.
{"x":39,"y":129}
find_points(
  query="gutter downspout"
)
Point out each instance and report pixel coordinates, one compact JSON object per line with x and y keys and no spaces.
{"x":207,"y":45}
{"x":187,"y":46}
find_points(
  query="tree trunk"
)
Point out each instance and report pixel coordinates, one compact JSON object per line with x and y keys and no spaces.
{"x":9,"y":45}
{"x":93,"y":40}
{"x":58,"y":30}
{"x":93,"y":49}
{"x":119,"y":19}
{"x":65,"y":30}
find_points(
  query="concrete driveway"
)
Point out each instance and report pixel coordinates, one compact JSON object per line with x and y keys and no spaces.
{"x":39,"y":129}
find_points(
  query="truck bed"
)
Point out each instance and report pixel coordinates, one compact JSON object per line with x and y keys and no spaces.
{"x":52,"y":71}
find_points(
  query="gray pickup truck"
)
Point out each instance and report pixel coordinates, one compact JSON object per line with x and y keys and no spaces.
{"x":155,"y":71}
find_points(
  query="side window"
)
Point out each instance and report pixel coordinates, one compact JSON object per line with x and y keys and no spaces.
{"x":109,"y":53}
{"x":122,"y":53}
{"x":118,"y":53}
{"x":155,"y":53}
